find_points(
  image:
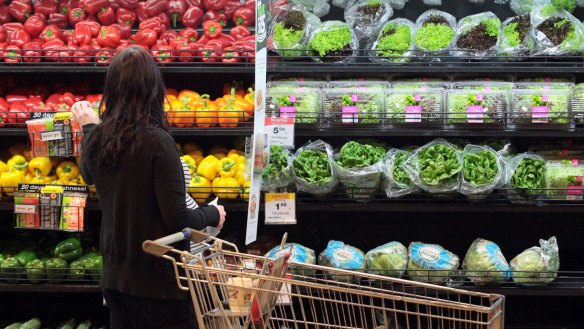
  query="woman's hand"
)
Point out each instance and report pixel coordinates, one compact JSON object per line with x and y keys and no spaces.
{"x":84,"y":114}
{"x":222,"y":215}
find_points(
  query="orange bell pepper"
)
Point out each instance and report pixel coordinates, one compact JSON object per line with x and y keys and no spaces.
{"x":172,"y":91}
{"x":197,"y":155}
{"x":229,"y":117}
{"x":206,"y":116}
{"x":182,"y":115}
{"x":221,"y":103}
{"x":188,"y":97}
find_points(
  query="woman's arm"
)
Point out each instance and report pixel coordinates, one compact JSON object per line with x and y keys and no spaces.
{"x":83,"y":168}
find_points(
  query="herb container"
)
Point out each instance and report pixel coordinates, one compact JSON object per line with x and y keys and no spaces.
{"x":333,"y":42}
{"x":539,"y":108}
{"x":578,"y":104}
{"x":393,"y":42}
{"x":421,"y":85}
{"x":524,"y":178}
{"x":290,"y":30}
{"x":299,"y":100}
{"x":564,"y":180}
{"x":476,"y":108}
{"x":361,"y":105}
{"x":408,"y":77}
{"x":484,"y":84}
{"x":396,"y":181}
{"x":477,"y":36}
{"x":415,"y":107}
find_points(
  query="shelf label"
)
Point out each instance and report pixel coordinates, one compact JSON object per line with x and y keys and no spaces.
{"x":280,"y":131}
{"x":280,"y":208}
{"x":413,"y":114}
{"x":350,"y":114}
{"x":65,"y":188}
{"x":474,"y":114}
{"x":51,"y":136}
{"x":25,"y":209}
{"x":38,"y":115}
{"x":540,"y":114}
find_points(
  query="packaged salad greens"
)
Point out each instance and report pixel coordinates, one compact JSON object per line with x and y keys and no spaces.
{"x":476,"y":107}
{"x":431,"y":263}
{"x":483,"y":170}
{"x":290,"y":29}
{"x":564,"y":180}
{"x":365,"y":16}
{"x":415,"y":106}
{"x":435,"y":31}
{"x":578,"y":104}
{"x":279,"y":172}
{"x":547,"y":108}
{"x":537,"y":266}
{"x":556,"y":32}
{"x":524,"y":177}
{"x":422,"y":85}
{"x":342,"y":256}
{"x":298,"y":254}
{"x":392,"y":42}
{"x":484,"y":263}
{"x":397,"y":182}
{"x":516,"y":39}
{"x":477,"y":35}
{"x":354,"y":105}
{"x":314,"y":168}
{"x":390,"y":259}
{"x":300,"y":100}
{"x":333,"y":42}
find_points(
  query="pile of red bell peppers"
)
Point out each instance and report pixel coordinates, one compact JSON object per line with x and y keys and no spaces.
{"x":85,"y":31}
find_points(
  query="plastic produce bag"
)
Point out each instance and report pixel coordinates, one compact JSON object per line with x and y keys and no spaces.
{"x":521,"y":7}
{"x":578,"y":103}
{"x":516,"y":39}
{"x":333,"y":42}
{"x":435,"y":167}
{"x":393,"y":42}
{"x":290,"y":30}
{"x":524,"y":177}
{"x":430,"y":263}
{"x":478,"y":35}
{"x":298,"y":254}
{"x":390,"y":259}
{"x":399,"y":4}
{"x":537,"y":265}
{"x":365,"y":16}
{"x":564,"y":180}
{"x":314,"y":168}
{"x":483,"y":170}
{"x":433,"y":2}
{"x":484,"y":263}
{"x":397,"y":182}
{"x":342,"y":3}
{"x":556,"y":32}
{"x":279,"y":172}
{"x":435,"y":31}
{"x":319,"y":8}
{"x":358,"y":167}
{"x":342,"y":256}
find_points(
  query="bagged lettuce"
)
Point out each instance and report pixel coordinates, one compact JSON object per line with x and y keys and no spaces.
{"x":537,"y":265}
{"x":390,"y":259}
{"x":290,"y":29}
{"x":298,"y":254}
{"x":365,"y":16}
{"x":342,"y":256}
{"x":484,"y":263}
{"x":279,"y":172}
{"x":431,"y":263}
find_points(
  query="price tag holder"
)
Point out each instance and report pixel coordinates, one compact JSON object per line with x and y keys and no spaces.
{"x":25,"y":209}
{"x":280,"y":131}
{"x":280,"y":208}
{"x":51,"y":136}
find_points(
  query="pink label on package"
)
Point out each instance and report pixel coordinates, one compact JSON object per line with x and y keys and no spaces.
{"x":417,"y":98}
{"x":423,"y":88}
{"x":287,"y":111}
{"x":480,"y":97}
{"x":474,"y":113}
{"x":354,"y":98}
{"x":575,"y":190}
{"x":575,"y":163}
{"x":488,"y":88}
{"x":293,"y":98}
{"x":545,"y":98}
{"x":539,"y":114}
{"x":413,"y":114}
{"x":350,"y":114}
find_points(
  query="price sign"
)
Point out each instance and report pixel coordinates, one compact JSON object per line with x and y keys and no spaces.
{"x":280,"y":208}
{"x":280,"y":131}
{"x":25,"y":209}
{"x":51,"y":136}
{"x":38,"y":115}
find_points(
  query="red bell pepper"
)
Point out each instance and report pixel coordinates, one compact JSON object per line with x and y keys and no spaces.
{"x":215,"y":16}
{"x":12,"y":54}
{"x":125,"y":30}
{"x":52,"y":48}
{"x":64,"y":7}
{"x":17,"y":115}
{"x":83,"y":54}
{"x":160,"y":42}
{"x":244,"y":16}
{"x":212,"y":29}
{"x":16,"y":97}
{"x":168,"y":36}
{"x":32,"y":52}
{"x":45,"y":7}
{"x":114,"y":4}
{"x":250,"y":4}
{"x":146,"y":37}
{"x":82,"y":35}
{"x":177,"y":43}
{"x":19,"y":38}
{"x":226,"y":40}
{"x":125,"y":17}
{"x":109,"y":37}
{"x":189,"y":34}
{"x":104,"y":56}
{"x":239,"y":32}
{"x":212,"y":51}
{"x":20,"y":10}
{"x":163,"y":53}
{"x":94,"y":6}
{"x":176,"y":9}
{"x":68,"y":37}
{"x":34,"y":25}
{"x":214,"y":4}
{"x":4,"y":15}
{"x":93,"y":26}
{"x":230,"y":7}
{"x":152,"y":23}
{"x":129,"y":4}
{"x":4,"y":108}
{"x":76,"y":15}
{"x":194,"y":3}
{"x":141,"y":12}
{"x":193,"y":17}
{"x":32,"y":102}
{"x":94,"y":99}
{"x":94,"y":44}
{"x":50,"y":32}
{"x":230,"y":55}
{"x":184,"y":53}
{"x":107,"y":16}
{"x":155,"y":7}
{"x":3,"y":34}
{"x":165,"y":21}
{"x":65,"y":102}
{"x":59,"y":20}
{"x":11,"y":27}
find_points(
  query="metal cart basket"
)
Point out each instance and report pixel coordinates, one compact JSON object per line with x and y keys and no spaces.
{"x":232,"y":290}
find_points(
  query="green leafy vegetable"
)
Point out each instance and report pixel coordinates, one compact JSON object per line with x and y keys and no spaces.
{"x":537,"y":265}
{"x":564,"y":180}
{"x":493,"y":104}
{"x":278,"y":173}
{"x":287,"y":39}
{"x":438,"y":164}
{"x":557,"y":103}
{"x":568,"y":5}
{"x":391,"y":260}
{"x":355,"y":155}
{"x":430,"y":263}
{"x":484,"y":263}
{"x":528,"y":176}
{"x":429,"y":101}
{"x":305,"y":101}
{"x":434,"y":37}
{"x":480,"y":168}
{"x":399,"y":174}
{"x":394,"y":41}
{"x":313,"y":167}
{"x":331,"y":39}
{"x":368,"y":100}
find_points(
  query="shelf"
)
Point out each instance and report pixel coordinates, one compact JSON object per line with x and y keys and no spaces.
{"x":50,"y":288}
{"x":93,"y":68}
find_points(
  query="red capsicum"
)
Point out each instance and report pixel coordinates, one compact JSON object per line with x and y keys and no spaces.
{"x":68,"y":37}
{"x":230,"y":7}
{"x":239,"y":32}
{"x":129,"y":4}
{"x":216,"y":16}
{"x":11,"y":27}
{"x":155,"y":7}
{"x":64,"y":7}
{"x":107,"y":16}
{"x":93,"y":7}
{"x":194,"y":3}
{"x":4,"y":15}
{"x":152,"y":23}
{"x":230,"y":55}
{"x":212,"y":29}
{"x":163,"y":53}
{"x":32,"y":52}
{"x":34,"y":25}
{"x":19,"y":38}
{"x":20,"y":10}
{"x":3,"y":34}
{"x":193,"y":17}
{"x":250,"y":4}
{"x":176,"y":9}
{"x":104,"y":56}
{"x":188,"y":34}
{"x":83,"y":54}
{"x":76,"y":15}
{"x":93,"y":26}
{"x":214,"y":4}
{"x":17,"y":115}
{"x":244,"y":16}
{"x":16,"y":97}
{"x":226,"y":40}
{"x":50,"y":32}
{"x":32,"y":102}
{"x":45,"y":7}
{"x":165,"y":21}
{"x":125,"y":16}
{"x":4,"y":108}
{"x":52,"y":50}
{"x":125,"y":30}
{"x":82,"y":35}
{"x":212,"y":51}
{"x":114,"y":4}
{"x":109,"y":37}
{"x":168,"y":36}
{"x":12,"y":54}
{"x":184,"y":53}
{"x":59,"y":20}
{"x":141,"y":12}
{"x":146,"y":37}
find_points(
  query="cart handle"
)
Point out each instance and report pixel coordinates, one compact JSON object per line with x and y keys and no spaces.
{"x":161,"y":246}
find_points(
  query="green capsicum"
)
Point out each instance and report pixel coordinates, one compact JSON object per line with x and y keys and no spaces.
{"x":25,"y":257}
{"x":35,"y":271}
{"x":10,"y":270}
{"x":56,"y":269}
{"x":69,"y":249}
{"x":76,"y":270}
{"x":87,"y":256}
{"x":94,"y":267}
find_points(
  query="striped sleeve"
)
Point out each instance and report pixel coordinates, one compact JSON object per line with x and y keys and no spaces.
{"x":191,"y":204}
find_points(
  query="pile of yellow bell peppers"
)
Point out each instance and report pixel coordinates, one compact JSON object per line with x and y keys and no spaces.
{"x":221,"y":173}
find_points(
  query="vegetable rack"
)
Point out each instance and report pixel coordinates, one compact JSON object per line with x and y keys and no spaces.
{"x":230,"y":289}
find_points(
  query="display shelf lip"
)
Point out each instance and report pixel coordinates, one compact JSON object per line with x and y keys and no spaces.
{"x":51,"y":288}
{"x":93,"y":68}
{"x":239,"y":131}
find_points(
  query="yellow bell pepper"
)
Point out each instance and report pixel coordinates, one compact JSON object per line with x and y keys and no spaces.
{"x":190,"y":163}
{"x":40,"y":166}
{"x":38,"y":180}
{"x":226,"y":188}
{"x":197,"y":155}
{"x":240,"y":173}
{"x":67,"y":171}
{"x":73,"y":182}
{"x":200,"y":188}
{"x":226,"y":168}
{"x":208,"y":167}
{"x":233,"y":154}
{"x":17,"y":162}
{"x":3,"y":167}
{"x":241,"y":159}
{"x":27,"y":178}
{"x":245,"y":190}
{"x":10,"y":180}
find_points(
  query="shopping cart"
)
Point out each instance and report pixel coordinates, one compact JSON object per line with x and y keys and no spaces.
{"x":232,"y":290}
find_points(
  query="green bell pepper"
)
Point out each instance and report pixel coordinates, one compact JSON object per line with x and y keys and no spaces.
{"x":94,"y":267}
{"x":76,"y":270}
{"x":69,"y":249}
{"x":10,"y":270}
{"x":2,"y":257}
{"x":35,"y":271}
{"x":56,"y":269}
{"x":87,"y":256}
{"x":25,"y":257}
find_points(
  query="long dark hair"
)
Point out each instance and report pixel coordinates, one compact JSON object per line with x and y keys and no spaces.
{"x":133,"y":96}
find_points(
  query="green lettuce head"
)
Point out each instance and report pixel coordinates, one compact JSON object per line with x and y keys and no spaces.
{"x":537,"y":265}
{"x":390,"y":259}
{"x":485,"y":264}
